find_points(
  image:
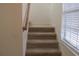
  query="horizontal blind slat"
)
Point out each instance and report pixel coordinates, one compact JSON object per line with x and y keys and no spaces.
{"x":71,"y":24}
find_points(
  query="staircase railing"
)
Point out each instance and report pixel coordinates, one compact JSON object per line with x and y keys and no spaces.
{"x":27,"y":18}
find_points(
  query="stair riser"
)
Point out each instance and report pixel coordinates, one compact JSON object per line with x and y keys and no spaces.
{"x":48,"y":35}
{"x":39,"y":37}
{"x":41,"y":30}
{"x":42,"y":37}
{"x":43,"y":54}
{"x":42,"y":45}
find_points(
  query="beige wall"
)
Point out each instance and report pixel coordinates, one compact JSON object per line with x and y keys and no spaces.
{"x":39,"y":14}
{"x":10,"y":29}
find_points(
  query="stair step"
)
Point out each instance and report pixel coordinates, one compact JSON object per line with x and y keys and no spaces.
{"x":41,"y":29}
{"x":42,"y":44}
{"x":42,"y":41}
{"x":43,"y":52}
{"x":42,"y":35}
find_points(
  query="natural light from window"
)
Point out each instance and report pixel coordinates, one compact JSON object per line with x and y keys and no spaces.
{"x":70,"y":27}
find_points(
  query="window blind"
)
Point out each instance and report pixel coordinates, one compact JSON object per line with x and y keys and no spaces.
{"x":70,"y":29}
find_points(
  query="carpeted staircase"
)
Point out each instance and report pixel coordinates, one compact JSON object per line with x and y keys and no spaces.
{"x":42,"y":41}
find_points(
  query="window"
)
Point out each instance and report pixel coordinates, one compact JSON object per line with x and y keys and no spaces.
{"x":70,"y":28}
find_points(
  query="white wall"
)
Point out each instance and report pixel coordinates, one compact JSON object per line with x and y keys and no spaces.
{"x":56,"y":21}
{"x":39,"y":14}
{"x":49,"y":15}
{"x":24,"y":8}
{"x":55,"y":15}
{"x":24,"y":33}
{"x":24,"y":37}
{"x":11,"y":30}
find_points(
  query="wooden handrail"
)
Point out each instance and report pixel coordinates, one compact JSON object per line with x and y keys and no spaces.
{"x":27,"y":17}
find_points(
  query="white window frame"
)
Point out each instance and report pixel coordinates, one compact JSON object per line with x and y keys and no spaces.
{"x":71,"y":47}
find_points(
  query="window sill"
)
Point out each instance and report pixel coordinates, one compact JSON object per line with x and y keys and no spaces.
{"x":71,"y":48}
